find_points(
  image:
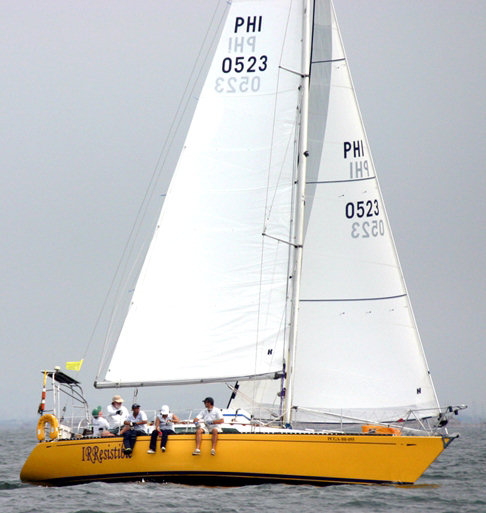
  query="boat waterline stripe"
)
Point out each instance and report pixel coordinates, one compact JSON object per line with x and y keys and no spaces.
{"x":341,"y":181}
{"x":203,"y":476}
{"x":352,"y":299}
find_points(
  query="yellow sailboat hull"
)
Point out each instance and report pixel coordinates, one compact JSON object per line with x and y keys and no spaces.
{"x":240,"y":459}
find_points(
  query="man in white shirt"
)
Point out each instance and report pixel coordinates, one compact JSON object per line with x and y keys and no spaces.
{"x":117,"y":414}
{"x":135,"y":426}
{"x":100,"y":424}
{"x":211,"y":418}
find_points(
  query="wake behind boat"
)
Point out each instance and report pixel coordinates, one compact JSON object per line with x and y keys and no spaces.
{"x":272,"y":269}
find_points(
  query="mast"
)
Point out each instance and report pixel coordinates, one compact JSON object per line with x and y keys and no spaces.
{"x":302,"y":154}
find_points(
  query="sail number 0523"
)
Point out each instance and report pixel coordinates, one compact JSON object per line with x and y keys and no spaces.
{"x":362,"y":209}
{"x":237,"y":84}
{"x":250,"y":64}
{"x":367,"y":229}
{"x":365,"y":209}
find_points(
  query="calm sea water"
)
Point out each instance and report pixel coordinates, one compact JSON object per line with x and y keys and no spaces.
{"x":454,"y":483}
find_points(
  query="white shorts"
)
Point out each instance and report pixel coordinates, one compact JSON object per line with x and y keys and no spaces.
{"x":209,"y":428}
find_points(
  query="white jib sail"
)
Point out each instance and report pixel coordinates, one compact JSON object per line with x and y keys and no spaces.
{"x":358,"y":351}
{"x":210,"y":302}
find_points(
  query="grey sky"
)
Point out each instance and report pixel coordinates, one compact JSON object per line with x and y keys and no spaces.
{"x":88,"y":91}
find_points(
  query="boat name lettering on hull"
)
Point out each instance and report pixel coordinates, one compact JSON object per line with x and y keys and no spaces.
{"x":340,"y":438}
{"x":97,"y":455}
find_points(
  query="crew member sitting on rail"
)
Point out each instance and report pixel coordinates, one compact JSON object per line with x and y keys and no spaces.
{"x":164,"y":426}
{"x":100,"y":424}
{"x":211,"y":417}
{"x":117,"y":414}
{"x":135,"y":426}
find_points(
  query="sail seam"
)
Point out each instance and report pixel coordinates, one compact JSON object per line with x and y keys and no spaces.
{"x":341,"y":181}
{"x":384,"y":298}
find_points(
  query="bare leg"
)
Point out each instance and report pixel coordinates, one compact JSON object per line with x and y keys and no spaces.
{"x":214,"y":438}
{"x":199,"y":433}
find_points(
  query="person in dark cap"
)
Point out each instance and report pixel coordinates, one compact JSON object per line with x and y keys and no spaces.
{"x":135,"y":426}
{"x":209,"y":420}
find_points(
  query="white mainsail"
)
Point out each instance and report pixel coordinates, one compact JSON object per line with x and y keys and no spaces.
{"x":212,"y":300}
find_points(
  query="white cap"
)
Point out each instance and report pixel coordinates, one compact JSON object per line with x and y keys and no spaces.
{"x":164,"y":410}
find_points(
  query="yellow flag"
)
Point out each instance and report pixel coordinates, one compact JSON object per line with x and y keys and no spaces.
{"x":76,"y":366}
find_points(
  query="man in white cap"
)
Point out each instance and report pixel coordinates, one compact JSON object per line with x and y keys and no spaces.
{"x":164,"y":426}
{"x":116,"y":414}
